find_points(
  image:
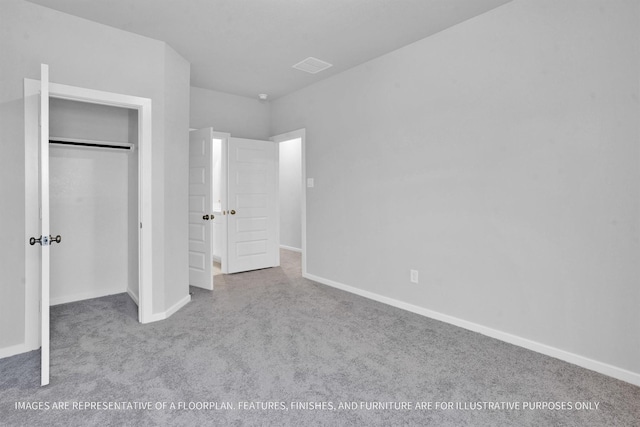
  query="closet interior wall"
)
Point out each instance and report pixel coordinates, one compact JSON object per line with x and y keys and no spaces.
{"x":94,"y":202}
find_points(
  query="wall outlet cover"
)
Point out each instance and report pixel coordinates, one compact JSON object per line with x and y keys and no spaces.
{"x":414,"y":276}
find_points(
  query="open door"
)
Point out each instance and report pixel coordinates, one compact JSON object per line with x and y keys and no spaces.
{"x":44,"y":239}
{"x":200,"y":209}
{"x":253,"y":225}
{"x":37,"y":258}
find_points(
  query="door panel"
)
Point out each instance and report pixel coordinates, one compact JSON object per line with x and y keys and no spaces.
{"x":253,"y":205}
{"x":200,"y":211}
{"x":44,"y":224}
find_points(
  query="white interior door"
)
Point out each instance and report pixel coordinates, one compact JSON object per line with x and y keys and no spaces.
{"x":252,"y":220}
{"x":44,"y":224}
{"x":200,"y":209}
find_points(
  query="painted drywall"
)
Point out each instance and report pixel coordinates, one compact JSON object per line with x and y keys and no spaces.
{"x":500,"y":159}
{"x":216,"y":199}
{"x":85,"y":54}
{"x":240,"y":116}
{"x":89,"y":209}
{"x":83,"y":120}
{"x":176,"y":186}
{"x":216,"y":175}
{"x":290,"y":193}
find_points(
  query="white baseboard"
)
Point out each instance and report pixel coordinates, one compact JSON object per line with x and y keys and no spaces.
{"x":584,"y":362}
{"x":133,"y":296}
{"x":291,"y":248}
{"x":83,"y":296}
{"x":22,"y":348}
{"x":177,"y":306}
{"x":13,"y":350}
{"x":167,"y":313}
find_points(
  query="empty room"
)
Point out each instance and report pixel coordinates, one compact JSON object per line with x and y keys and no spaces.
{"x":336,"y":212}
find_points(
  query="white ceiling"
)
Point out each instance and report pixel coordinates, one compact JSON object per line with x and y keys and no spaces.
{"x":247,"y":47}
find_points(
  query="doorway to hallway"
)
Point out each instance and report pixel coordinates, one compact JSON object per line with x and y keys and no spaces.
{"x":293,"y":194}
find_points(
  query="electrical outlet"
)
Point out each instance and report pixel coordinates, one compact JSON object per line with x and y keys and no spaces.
{"x":414,"y":276}
{"x":310,"y":183}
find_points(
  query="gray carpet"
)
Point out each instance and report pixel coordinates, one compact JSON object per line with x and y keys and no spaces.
{"x":272,"y":338}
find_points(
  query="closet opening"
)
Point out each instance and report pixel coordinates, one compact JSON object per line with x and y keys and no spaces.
{"x":89,"y":116}
{"x":93,"y":161}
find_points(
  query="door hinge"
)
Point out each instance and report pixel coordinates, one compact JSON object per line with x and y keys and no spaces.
{"x":141,"y":225}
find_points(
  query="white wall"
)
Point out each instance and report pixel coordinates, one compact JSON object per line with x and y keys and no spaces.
{"x":500,"y":158}
{"x":84,"y":120}
{"x":240,"y":116}
{"x":216,"y":175}
{"x":176,"y":179}
{"x":85,"y":54}
{"x":290,"y":193}
{"x":216,"y":199}
{"x":89,"y":209}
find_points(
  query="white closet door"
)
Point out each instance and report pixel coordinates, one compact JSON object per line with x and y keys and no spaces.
{"x":252,"y":229}
{"x":44,"y":224}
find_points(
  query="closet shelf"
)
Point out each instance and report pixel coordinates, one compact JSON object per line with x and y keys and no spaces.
{"x":90,"y":143}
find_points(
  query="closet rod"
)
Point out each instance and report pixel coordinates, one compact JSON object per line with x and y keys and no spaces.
{"x":91,"y":144}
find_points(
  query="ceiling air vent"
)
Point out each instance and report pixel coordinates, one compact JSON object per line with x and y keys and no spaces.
{"x":312,"y":65}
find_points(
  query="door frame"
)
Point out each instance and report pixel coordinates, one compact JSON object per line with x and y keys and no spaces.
{"x":299,"y":133}
{"x":145,"y":185}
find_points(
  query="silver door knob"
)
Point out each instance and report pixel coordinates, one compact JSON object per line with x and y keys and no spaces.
{"x":45,"y":241}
